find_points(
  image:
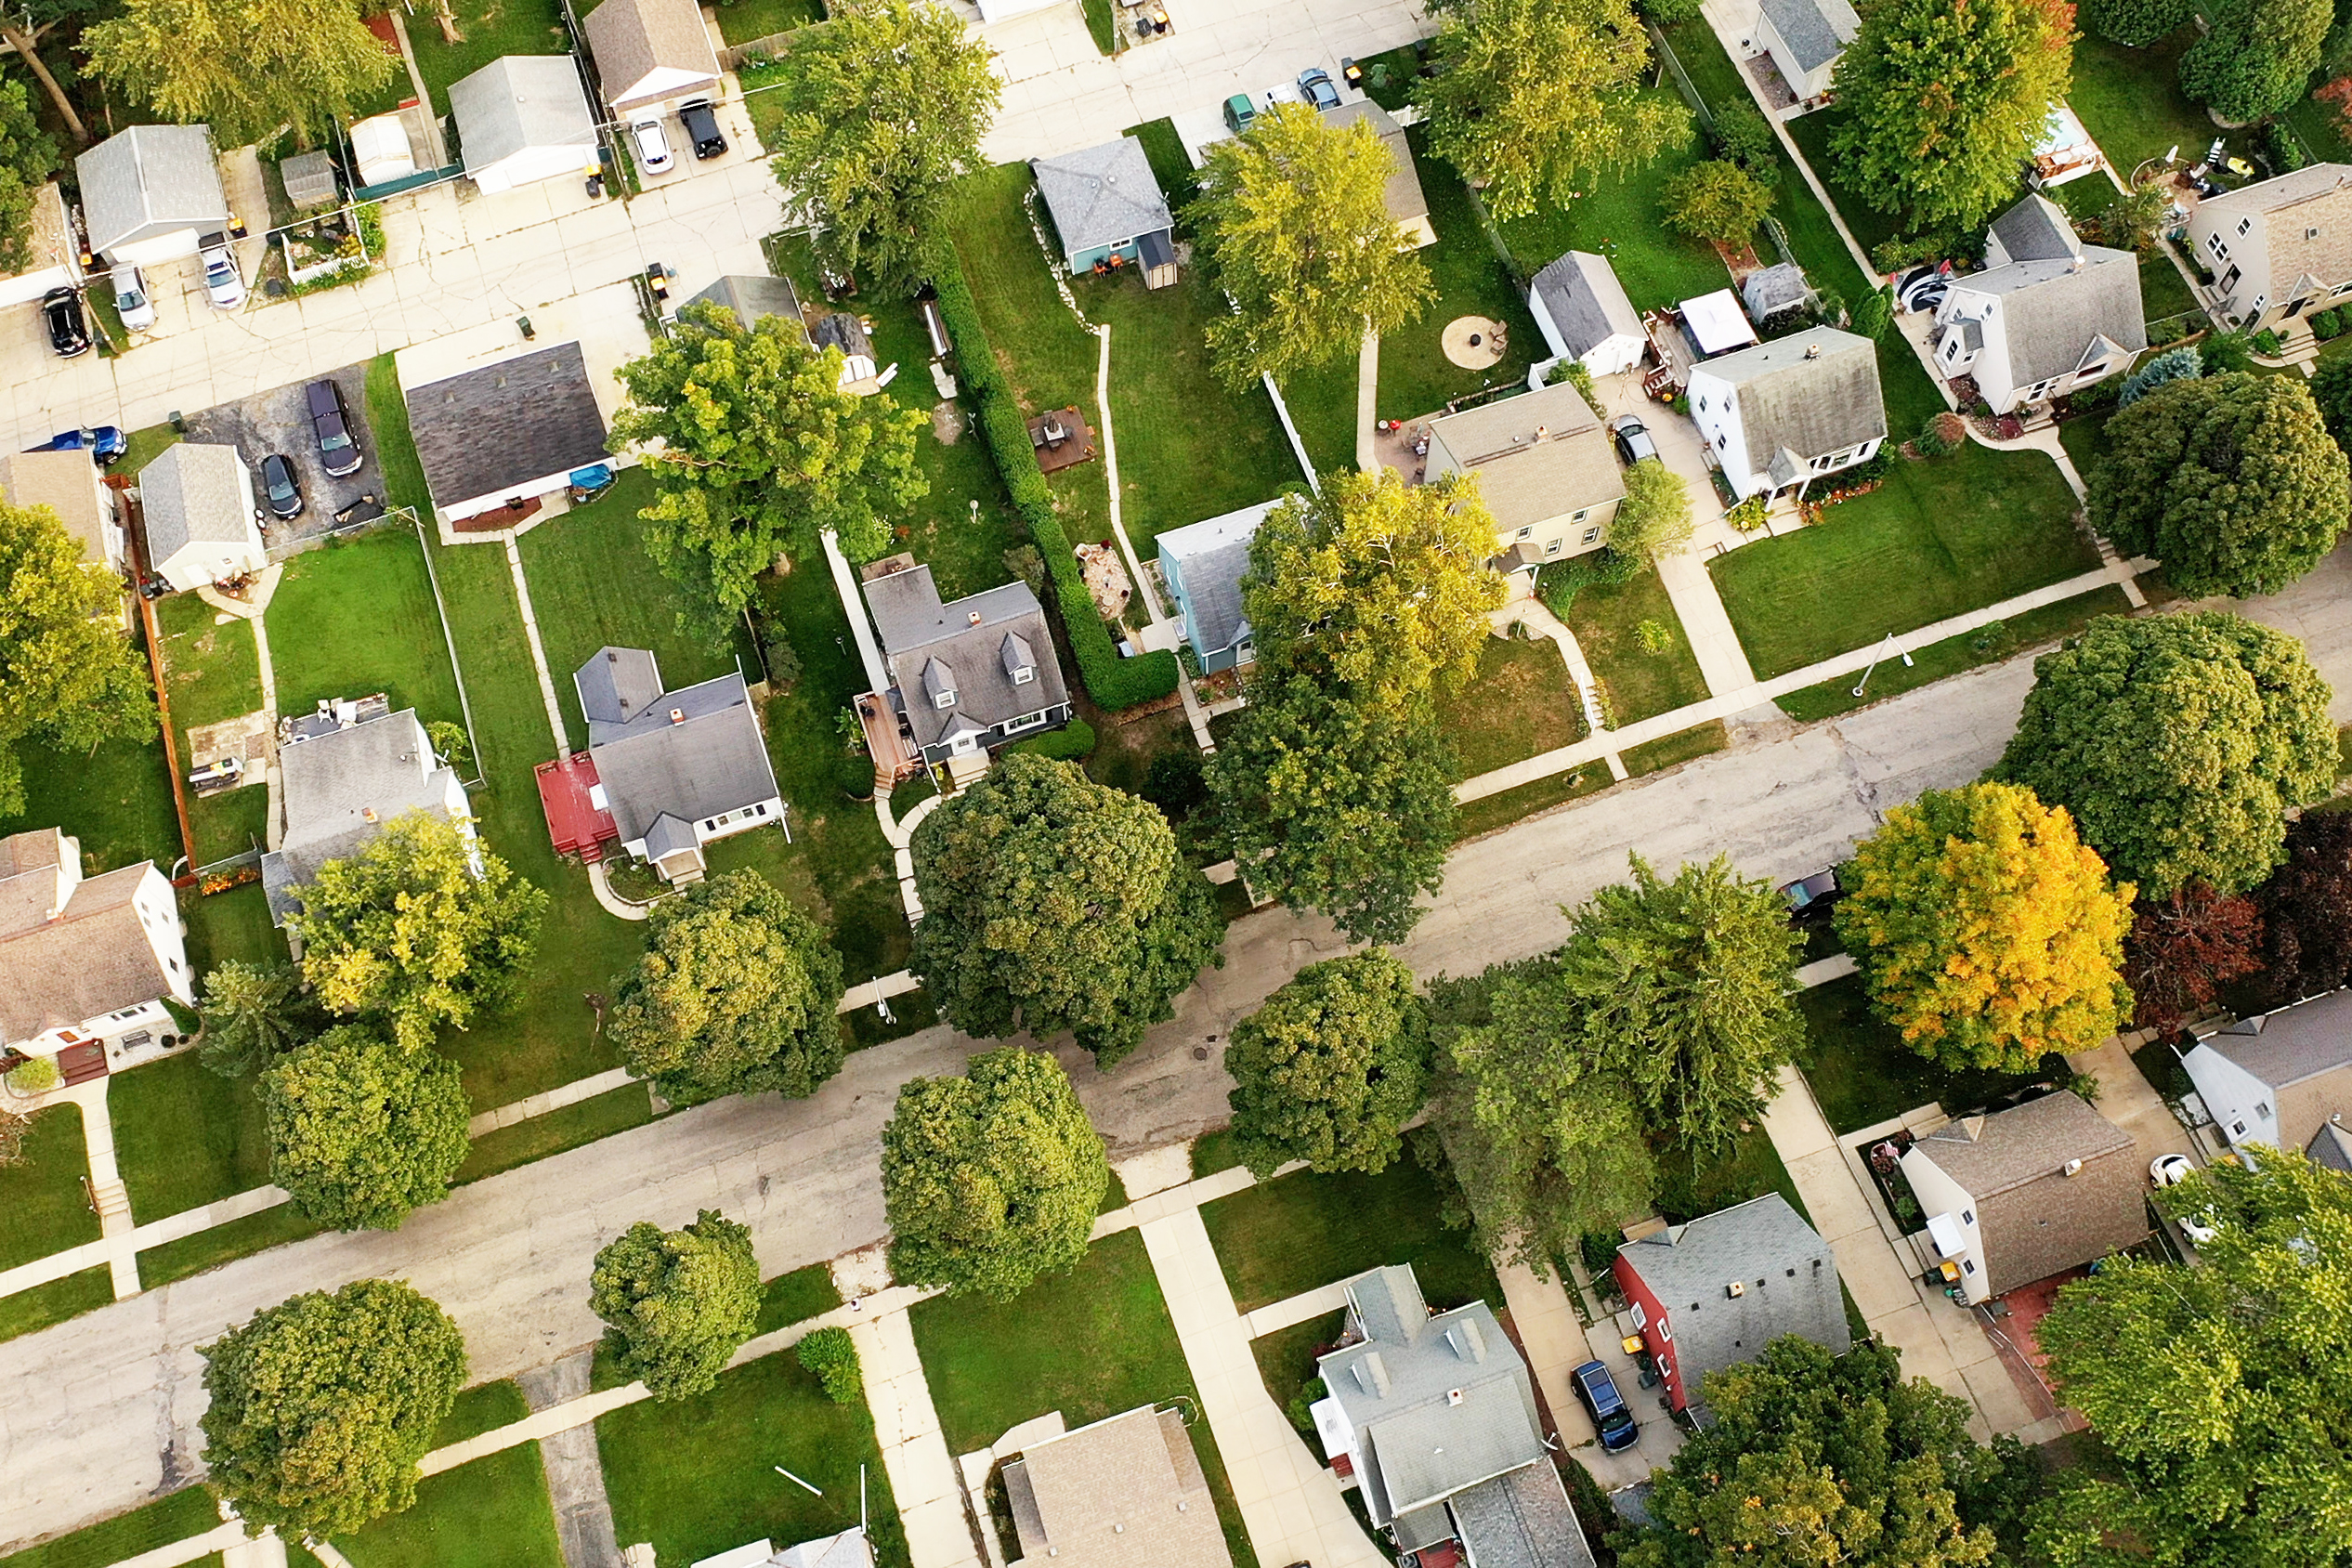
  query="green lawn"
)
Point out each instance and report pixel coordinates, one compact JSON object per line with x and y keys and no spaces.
{"x":796,"y":1297}
{"x":614,"y":1111}
{"x":1862,"y":1073}
{"x":1286,"y":1364}
{"x":234,"y":924}
{"x":2084,"y":439}
{"x":741,"y":21}
{"x":1091,"y":1342}
{"x":211,"y":672}
{"x":1470,"y":279}
{"x":2164,"y":293}
{"x":697,"y":1477}
{"x":2131,"y":102}
{"x":1987,"y":645}
{"x":1304,"y":1231}
{"x":1684,"y":746}
{"x":1937,"y":538}
{"x":1322,"y":404}
{"x":223,"y":1243}
{"x":184,"y":1135}
{"x":1870,"y":226}
{"x":492,"y":1513}
{"x":185,"y":1513}
{"x":231,"y":823}
{"x":43,"y":1207}
{"x":1691,"y":1185}
{"x":45,"y":1306}
{"x":358,"y":618}
{"x":484,"y":1407}
{"x":1507,"y":806}
{"x":116,"y":799}
{"x":1640,"y":683}
{"x":490,"y":29}
{"x":1521,"y":703}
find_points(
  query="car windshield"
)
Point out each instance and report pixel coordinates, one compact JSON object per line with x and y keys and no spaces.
{"x":129,"y":299}
{"x":332,"y":438}
{"x":281,"y":485}
{"x":217,"y":270}
{"x":1616,"y":1422}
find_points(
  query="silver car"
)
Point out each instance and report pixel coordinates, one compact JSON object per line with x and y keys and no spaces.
{"x":1633,"y":439}
{"x":131,"y":301}
{"x":223,"y":283}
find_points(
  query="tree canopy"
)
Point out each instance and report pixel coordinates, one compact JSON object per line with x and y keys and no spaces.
{"x":320,"y":1407}
{"x":1718,"y":200}
{"x":2135,"y":24}
{"x":28,"y":157}
{"x":2258,"y":57}
{"x":253,"y":1013}
{"x":1532,"y":97}
{"x":1985,"y":930}
{"x":2307,"y":909}
{"x":2178,"y":743}
{"x":1942,"y":103}
{"x":993,"y":1177}
{"x":422,"y":927}
{"x":680,"y":1302}
{"x":1051,"y":902}
{"x":761,"y":451}
{"x":2182,"y":951}
{"x":736,"y":994}
{"x":1293,"y":223}
{"x":1330,"y":1068}
{"x":362,"y":1131}
{"x":243,"y":67}
{"x":880,"y":110}
{"x":68,"y":677}
{"x":1654,"y":518}
{"x":2232,"y":481}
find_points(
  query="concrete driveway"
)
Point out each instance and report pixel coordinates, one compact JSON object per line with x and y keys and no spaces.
{"x":279,"y":421}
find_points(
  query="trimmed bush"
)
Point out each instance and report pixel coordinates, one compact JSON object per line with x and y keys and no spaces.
{"x":2325,"y":324}
{"x":34,"y":1075}
{"x":1073,"y":743}
{"x":831,"y":1356}
{"x":2186,"y":363}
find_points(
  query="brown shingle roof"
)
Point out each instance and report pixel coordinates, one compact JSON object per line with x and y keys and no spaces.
{"x":1124,"y":1492}
{"x":65,"y":483}
{"x":92,"y":960}
{"x":1525,"y":479}
{"x":2035,"y":1219}
{"x":633,"y":39}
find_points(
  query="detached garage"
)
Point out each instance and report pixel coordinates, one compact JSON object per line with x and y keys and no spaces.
{"x":522,"y":119}
{"x":495,"y":437}
{"x":150,"y":192}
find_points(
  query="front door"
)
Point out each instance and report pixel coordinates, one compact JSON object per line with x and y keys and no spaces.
{"x":964,"y":745}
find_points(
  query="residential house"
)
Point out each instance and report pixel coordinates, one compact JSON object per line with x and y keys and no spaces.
{"x":1432,"y":1415}
{"x":650,"y":53}
{"x":507,"y":432}
{"x":197,"y":501}
{"x":1408,"y":207}
{"x":1805,"y":39}
{"x":1585,"y":315}
{"x":1203,"y":564}
{"x":2282,"y":1080}
{"x":1714,"y":1292}
{"x":522,"y":119}
{"x":150,"y":194}
{"x":2047,"y":316}
{"x":1108,"y":210}
{"x":1126,"y":1491}
{"x":1783,"y":414}
{"x":676,"y":770}
{"x":2023,"y":1194}
{"x":2280,"y":247}
{"x":343,"y":772}
{"x":1546,"y":471}
{"x":68,"y":484}
{"x":968,"y":676}
{"x":85,"y":962}
{"x":751,"y":296}
{"x":848,"y":1549}
{"x":52,"y":255}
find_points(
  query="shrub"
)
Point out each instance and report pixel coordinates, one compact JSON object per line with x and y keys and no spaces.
{"x":2173,"y":364}
{"x":2267,"y":343}
{"x":1748,"y":516}
{"x":1943,"y":432}
{"x":1175,"y":783}
{"x":1652,"y":636}
{"x":832,"y":1357}
{"x":783,"y":659}
{"x":2097,"y":395}
{"x":1876,"y":314}
{"x":2325,"y":324}
{"x":1741,"y":135}
{"x":1073,"y":743}
{"x":2226,"y":352}
{"x":2279,"y":145}
{"x":34,"y":1075}
{"x":2134,"y":23}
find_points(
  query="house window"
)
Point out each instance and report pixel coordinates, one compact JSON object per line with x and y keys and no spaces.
{"x":1967,"y":1217}
{"x":760,"y":810}
{"x":1592,"y":535}
{"x":2245,"y":227}
{"x":945,"y":699}
{"x":1703,"y":402}
{"x":1245,"y":654}
{"x":2261,"y":1109}
{"x":1024,"y":675}
{"x":1528,"y":532}
{"x":1718,"y":440}
{"x":2254,"y":311}
{"x":1967,"y":1265}
{"x":1026,"y":721}
{"x":1551,"y":546}
{"x":1581,"y":515}
{"x":1951,"y":348}
{"x":2237,"y":1130}
{"x":1641,"y":1316}
{"x":1122,"y":244}
{"x":2219,"y":246}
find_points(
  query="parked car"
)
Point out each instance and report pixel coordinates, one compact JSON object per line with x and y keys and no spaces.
{"x":1598,"y":1391}
{"x":652,"y":144}
{"x":104,"y":443}
{"x":701,"y":124}
{"x":331,"y":421}
{"x":130,"y":298}
{"x":1633,"y":439}
{"x":2170,"y":1170}
{"x":1811,"y":898}
{"x":69,"y":334}
{"x":223,"y":283}
{"x":284,"y":489}
{"x":1317,"y":85}
{"x":1241,"y":113}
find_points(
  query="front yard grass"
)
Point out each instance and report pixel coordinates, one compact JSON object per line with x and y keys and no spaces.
{"x":1606,"y":621}
{"x":2084,"y":439}
{"x":1470,"y":279}
{"x":1862,"y":1073}
{"x":484,"y":1407}
{"x":742,"y":22}
{"x":43,"y":1206}
{"x":698,"y":1477}
{"x":223,"y":1243}
{"x":1286,"y":1364}
{"x":186,"y":1513}
{"x":1504,"y":807}
{"x":490,"y":29}
{"x":184,"y":1136}
{"x":1987,"y":645}
{"x":1303,"y":1230}
{"x":1691,"y":1184}
{"x":1521,"y":705}
{"x":1937,"y":538}
{"x":490,"y":1513}
{"x":210,"y":671}
{"x":358,"y":618}
{"x":46,"y":1306}
{"x":1671,"y":750}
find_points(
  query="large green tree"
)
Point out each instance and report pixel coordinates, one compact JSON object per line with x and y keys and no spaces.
{"x":28,"y":157}
{"x":879,"y":110}
{"x":24,"y":27}
{"x":67,"y":676}
{"x":243,"y":67}
{"x":1986,"y":931}
{"x":2178,"y":743}
{"x":2232,"y":481}
{"x":757,"y":452}
{"x":1294,"y":225}
{"x":362,"y":1131}
{"x":2220,"y":1391}
{"x":1051,"y":902}
{"x":320,"y":1407}
{"x":2258,"y":57}
{"x":1536,"y":100}
{"x":680,"y":1302}
{"x":736,"y":994}
{"x":422,"y":927}
{"x":1330,"y":1068}
{"x":253,"y":1013}
{"x":1718,"y":200}
{"x":1654,"y":518}
{"x":1943,"y":100}
{"x":993,"y":1177}
{"x":1335,"y":806}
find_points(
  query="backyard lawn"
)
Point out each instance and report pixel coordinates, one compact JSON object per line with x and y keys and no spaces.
{"x":2131,"y":102}
{"x":234,"y":822}
{"x":1605,"y":619}
{"x":1520,"y":703}
{"x":1306,"y":1231}
{"x":490,"y":1513}
{"x":490,"y":29}
{"x":1322,"y":404}
{"x":1470,"y":279}
{"x":115,"y":797}
{"x":43,"y":1207}
{"x":1986,"y":645}
{"x":234,"y":924}
{"x":1862,"y":1073}
{"x":741,"y":21}
{"x":1811,"y":133}
{"x":1937,"y":538}
{"x":358,"y":618}
{"x":2164,"y":293}
{"x":211,"y":672}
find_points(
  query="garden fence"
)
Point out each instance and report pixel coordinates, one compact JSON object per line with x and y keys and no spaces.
{"x":1681,"y":78}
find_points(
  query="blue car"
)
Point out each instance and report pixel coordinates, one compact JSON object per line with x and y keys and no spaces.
{"x":104,"y":444}
{"x":1598,"y":1391}
{"x":1315,"y":83}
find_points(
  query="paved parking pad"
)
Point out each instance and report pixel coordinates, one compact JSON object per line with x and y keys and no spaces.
{"x":279,"y":421}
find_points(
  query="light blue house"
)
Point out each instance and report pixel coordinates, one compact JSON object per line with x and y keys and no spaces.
{"x":1108,"y":209}
{"x":1203,"y":564}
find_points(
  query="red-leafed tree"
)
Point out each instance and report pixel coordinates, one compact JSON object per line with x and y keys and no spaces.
{"x":2307,"y":909}
{"x":2183,"y":950}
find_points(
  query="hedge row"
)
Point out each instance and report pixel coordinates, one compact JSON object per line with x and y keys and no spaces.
{"x":1113,"y":682}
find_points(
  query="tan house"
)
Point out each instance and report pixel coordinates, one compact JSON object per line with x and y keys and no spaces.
{"x":649,"y":52}
{"x":68,"y":484}
{"x":1408,"y":207}
{"x":1546,"y":469}
{"x":1126,"y":1492}
{"x":2278,"y":248}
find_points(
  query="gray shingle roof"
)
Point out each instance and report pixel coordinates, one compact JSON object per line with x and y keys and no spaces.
{"x":481,"y":433}
{"x":1586,"y":302}
{"x":1815,"y":31}
{"x":1522,"y":1520}
{"x":752,"y":296}
{"x":150,"y":180}
{"x":521,"y":102}
{"x":94,"y":959}
{"x":967,"y":637}
{"x":1770,"y":290}
{"x":1758,"y":1243}
{"x":190,"y":494}
{"x":1810,"y":407}
{"x":332,"y":782}
{"x":1403,"y":193}
{"x":1210,"y":556}
{"x":2332,"y":1146}
{"x":2304,"y":1054}
{"x":2035,"y":229}
{"x":633,"y":39}
{"x":709,"y":761}
{"x":2054,"y":312}
{"x":616,"y":686}
{"x":2034,"y":1219}
{"x":843,"y":331}
{"x":1099,"y":194}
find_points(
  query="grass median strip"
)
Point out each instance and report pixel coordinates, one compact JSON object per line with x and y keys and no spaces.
{"x":490,"y":1513}
{"x":581,"y":1122}
{"x":1655,"y":756}
{"x":181,"y":1516}
{"x":45,"y":1306}
{"x":1987,"y":645}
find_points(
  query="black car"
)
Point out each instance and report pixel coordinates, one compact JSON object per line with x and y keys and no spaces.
{"x":284,"y":489}
{"x":69,"y":334}
{"x":338,"y":454}
{"x":1598,"y":1391}
{"x":1811,"y":898}
{"x":702,"y":127}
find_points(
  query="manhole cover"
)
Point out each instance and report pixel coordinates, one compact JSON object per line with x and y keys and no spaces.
{"x":1474,"y":342}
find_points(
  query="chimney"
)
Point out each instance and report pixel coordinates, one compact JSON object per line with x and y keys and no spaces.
{"x":1453,"y":1396}
{"x":677,"y":715}
{"x":1812,"y":351}
{"x":1543,"y":432}
{"x":2072,"y":1168}
{"x":1734,"y":1291}
{"x":366,"y":811}
{"x":976,"y":617}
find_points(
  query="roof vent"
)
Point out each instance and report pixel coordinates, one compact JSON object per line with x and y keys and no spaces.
{"x":1453,"y":1396}
{"x":612,"y":656}
{"x":677,"y":715}
{"x":2072,"y":1168}
{"x":1735,"y":1291}
{"x":1543,"y":432}
{"x":368,"y":812}
{"x":1812,"y":351}
{"x":976,"y":617}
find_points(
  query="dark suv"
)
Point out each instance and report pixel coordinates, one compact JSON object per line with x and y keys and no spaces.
{"x":331,"y":421}
{"x":702,"y":127}
{"x":69,"y":334}
{"x":1598,"y":1391}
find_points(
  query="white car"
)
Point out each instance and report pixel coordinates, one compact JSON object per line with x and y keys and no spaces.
{"x":130,"y":298}
{"x":2170,"y":1170}
{"x":652,"y":145}
{"x":223,"y":283}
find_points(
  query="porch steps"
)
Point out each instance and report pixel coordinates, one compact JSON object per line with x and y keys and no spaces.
{"x":113,"y":1203}
{"x":2298,"y":344}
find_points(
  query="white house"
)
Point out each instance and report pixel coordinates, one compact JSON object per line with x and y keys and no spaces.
{"x":2280,"y":247}
{"x":675,"y":770}
{"x":2283,"y":1080}
{"x":197,"y":498}
{"x":1786,"y":413}
{"x":52,"y":258}
{"x":1805,"y":39}
{"x":1585,"y":314}
{"x":347,"y":770}
{"x":86,"y":964}
{"x":150,"y":194}
{"x":521,"y":118}
{"x":2048,"y":315}
{"x":650,"y":52}
{"x":1546,"y":470}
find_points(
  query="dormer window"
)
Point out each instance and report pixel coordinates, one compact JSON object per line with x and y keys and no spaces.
{"x":1020,"y":659}
{"x":939,"y":684}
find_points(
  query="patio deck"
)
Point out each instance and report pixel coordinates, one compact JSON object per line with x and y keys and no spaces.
{"x":567,"y":793}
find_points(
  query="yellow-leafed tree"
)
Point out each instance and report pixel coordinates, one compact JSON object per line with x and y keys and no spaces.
{"x":1986,"y":930}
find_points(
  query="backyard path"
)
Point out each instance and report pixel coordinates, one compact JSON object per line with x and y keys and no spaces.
{"x":1367,"y":403}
